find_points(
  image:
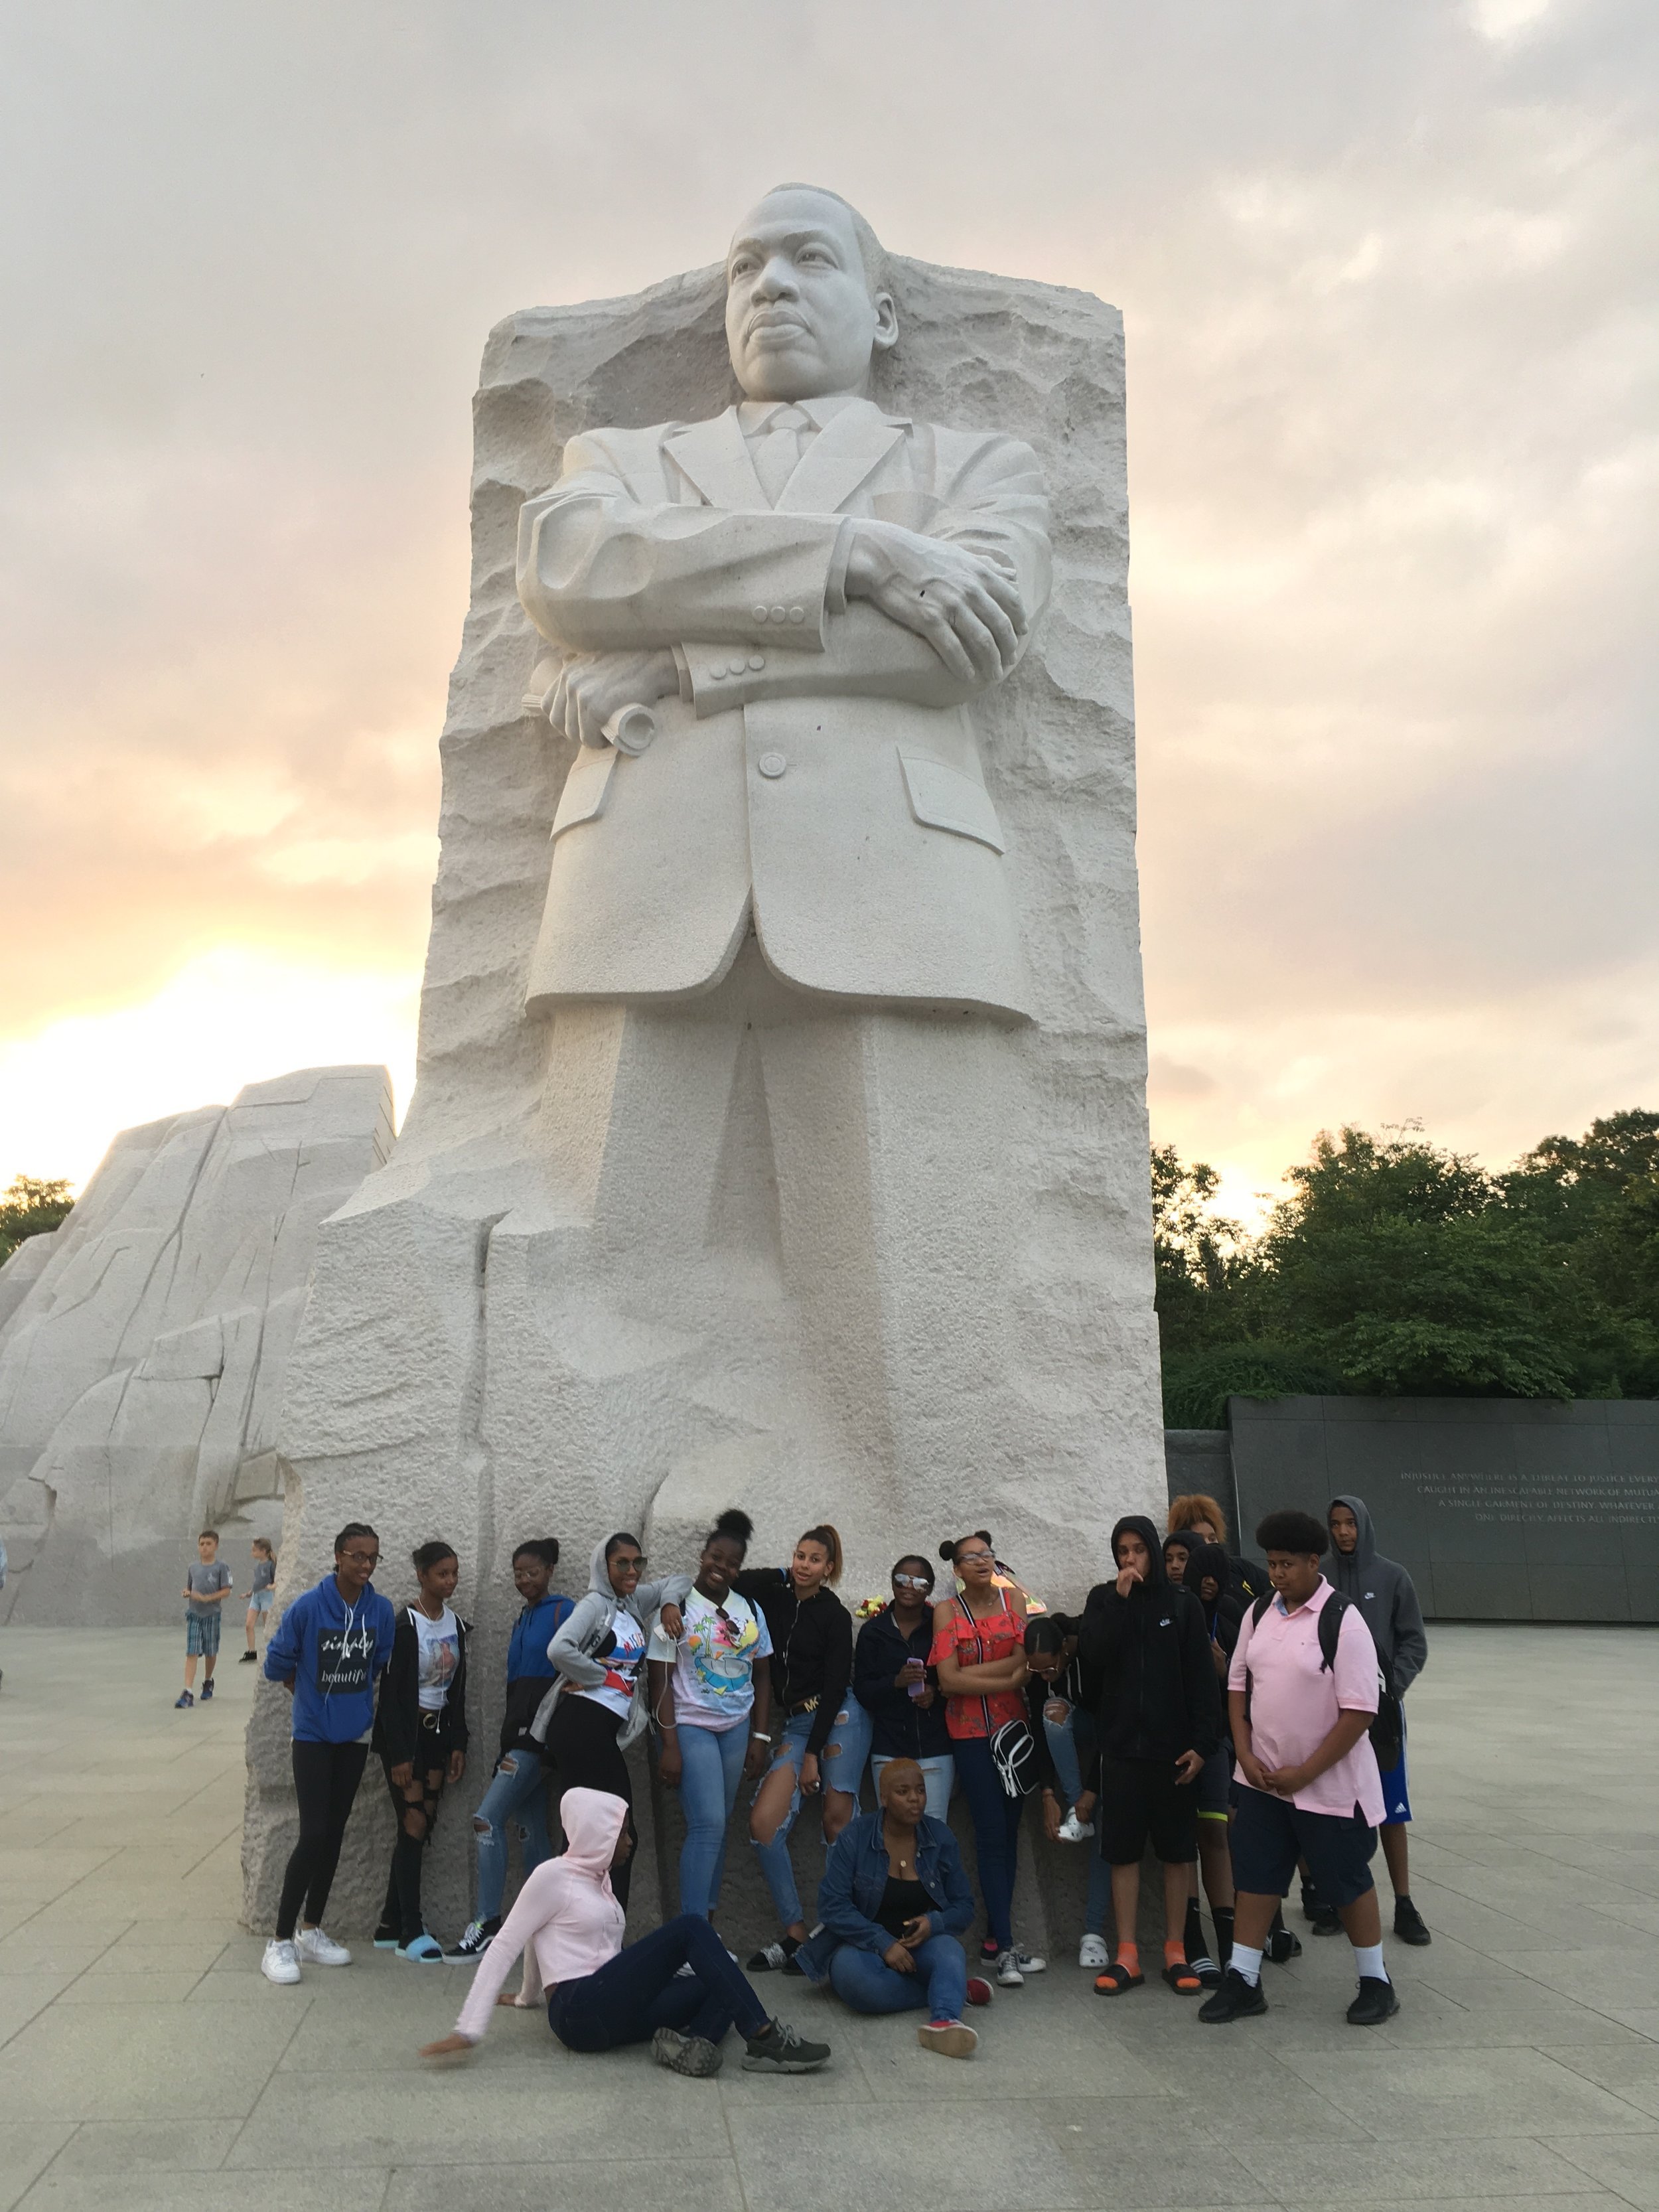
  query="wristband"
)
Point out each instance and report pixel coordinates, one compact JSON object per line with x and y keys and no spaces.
{"x":760,"y":1736}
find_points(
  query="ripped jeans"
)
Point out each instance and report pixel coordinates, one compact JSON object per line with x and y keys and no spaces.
{"x":517,"y":1794}
{"x":845,"y":1754}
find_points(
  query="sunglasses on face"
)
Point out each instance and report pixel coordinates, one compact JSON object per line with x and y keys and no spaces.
{"x":914,"y":1582}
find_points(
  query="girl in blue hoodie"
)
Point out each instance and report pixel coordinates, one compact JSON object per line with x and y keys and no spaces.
{"x":331,"y":1648}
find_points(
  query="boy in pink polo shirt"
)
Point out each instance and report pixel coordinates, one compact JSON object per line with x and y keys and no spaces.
{"x":1308,"y":1785}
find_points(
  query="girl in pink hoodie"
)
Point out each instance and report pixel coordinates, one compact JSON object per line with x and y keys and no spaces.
{"x":567,"y":1927}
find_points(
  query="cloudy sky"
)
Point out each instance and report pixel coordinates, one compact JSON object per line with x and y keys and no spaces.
{"x":1387,"y":272}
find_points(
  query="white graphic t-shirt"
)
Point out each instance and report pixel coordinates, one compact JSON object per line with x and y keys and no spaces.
{"x":622,"y":1665}
{"x":439,"y":1654}
{"x":714,"y":1659}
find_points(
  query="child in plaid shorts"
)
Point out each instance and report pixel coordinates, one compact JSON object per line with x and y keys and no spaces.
{"x":207,"y":1584}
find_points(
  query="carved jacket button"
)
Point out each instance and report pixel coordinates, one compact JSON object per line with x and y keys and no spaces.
{"x":759,"y":613}
{"x":772,"y":764}
{"x":780,"y":614}
{"x":798,"y":614}
{"x":757,"y":661}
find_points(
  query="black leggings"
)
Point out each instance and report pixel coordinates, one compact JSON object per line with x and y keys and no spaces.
{"x":581,"y":1742}
{"x":415,"y":1808}
{"x":325,"y":1778}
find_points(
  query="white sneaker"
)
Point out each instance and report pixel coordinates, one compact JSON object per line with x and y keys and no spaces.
{"x":316,"y":1949}
{"x":1008,"y":1971}
{"x":279,"y":1963}
{"x":1092,"y":1952}
{"x":1028,"y":1962}
{"x":1073,"y":1830}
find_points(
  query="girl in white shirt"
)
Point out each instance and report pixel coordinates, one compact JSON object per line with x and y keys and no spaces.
{"x":420,"y":1734}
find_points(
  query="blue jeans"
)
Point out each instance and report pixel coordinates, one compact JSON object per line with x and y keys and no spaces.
{"x":844,"y":1754}
{"x":940,"y":1775}
{"x":868,"y":1983}
{"x":642,"y":1990}
{"x":711,"y":1771}
{"x":996,"y":1817}
{"x":517,"y":1792}
{"x":1063,"y":1750}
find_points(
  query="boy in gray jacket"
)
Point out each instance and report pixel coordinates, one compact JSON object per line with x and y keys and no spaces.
{"x":1383,"y":1592}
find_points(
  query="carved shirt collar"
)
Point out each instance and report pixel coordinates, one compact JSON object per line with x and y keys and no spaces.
{"x":754,"y":415}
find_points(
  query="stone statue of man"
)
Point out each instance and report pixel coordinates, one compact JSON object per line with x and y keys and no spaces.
{"x":804,"y":591}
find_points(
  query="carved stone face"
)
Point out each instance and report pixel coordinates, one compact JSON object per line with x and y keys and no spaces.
{"x":799,"y":318}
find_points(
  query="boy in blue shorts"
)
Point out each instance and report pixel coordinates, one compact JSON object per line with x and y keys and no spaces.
{"x":1301,"y":1699}
{"x":206,"y":1585}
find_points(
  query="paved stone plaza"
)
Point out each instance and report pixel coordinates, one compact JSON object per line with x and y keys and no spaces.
{"x":144,"y":2063}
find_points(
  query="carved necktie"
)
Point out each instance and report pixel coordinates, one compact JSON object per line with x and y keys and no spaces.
{"x":777,"y":450}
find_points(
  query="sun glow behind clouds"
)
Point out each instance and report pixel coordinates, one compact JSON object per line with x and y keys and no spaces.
{"x":231,"y":1016}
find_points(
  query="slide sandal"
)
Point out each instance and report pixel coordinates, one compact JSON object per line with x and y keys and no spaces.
{"x":1182,"y":1980}
{"x":1115,"y":1979}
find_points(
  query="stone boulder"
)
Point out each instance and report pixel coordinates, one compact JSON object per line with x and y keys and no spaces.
{"x":142,"y":1355}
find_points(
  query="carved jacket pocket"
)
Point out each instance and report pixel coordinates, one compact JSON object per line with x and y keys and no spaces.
{"x":585,"y":787}
{"x":943,"y":798}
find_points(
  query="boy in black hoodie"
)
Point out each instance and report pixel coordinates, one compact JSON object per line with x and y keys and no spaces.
{"x":1144,"y":1641}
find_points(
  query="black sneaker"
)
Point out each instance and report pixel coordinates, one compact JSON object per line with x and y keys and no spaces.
{"x":207,"y":1690}
{"x":1281,"y":1946}
{"x":1325,"y":1920}
{"x":780,"y":2049}
{"x":772,"y":1958}
{"x":474,"y":1942}
{"x":249,"y":1659}
{"x":1374,"y":2003}
{"x":1409,"y":1923}
{"x":1236,"y":1999}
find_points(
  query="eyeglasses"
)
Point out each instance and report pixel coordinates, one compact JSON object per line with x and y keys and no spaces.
{"x":915,"y":1582}
{"x":362,"y":1559}
{"x":626,"y":1560}
{"x":963,"y":1557}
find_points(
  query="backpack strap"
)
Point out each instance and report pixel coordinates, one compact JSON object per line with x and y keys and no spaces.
{"x":967,"y":1616}
{"x":1259,"y":1608}
{"x":1330,"y":1628}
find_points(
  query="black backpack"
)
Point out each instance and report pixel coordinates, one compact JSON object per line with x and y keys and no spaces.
{"x":1387,"y":1731}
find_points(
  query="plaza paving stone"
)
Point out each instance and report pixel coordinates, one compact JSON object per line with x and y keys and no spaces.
{"x":145,"y":2065}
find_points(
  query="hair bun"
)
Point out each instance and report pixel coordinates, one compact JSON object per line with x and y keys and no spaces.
{"x":947,"y":1550}
{"x":735,"y":1522}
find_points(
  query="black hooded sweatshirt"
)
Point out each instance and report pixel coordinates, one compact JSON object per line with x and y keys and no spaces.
{"x":1224,"y":1619}
{"x":1150,"y":1653}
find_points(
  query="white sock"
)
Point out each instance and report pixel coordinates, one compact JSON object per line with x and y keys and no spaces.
{"x":1247,"y":1963}
{"x":1368,"y":1958}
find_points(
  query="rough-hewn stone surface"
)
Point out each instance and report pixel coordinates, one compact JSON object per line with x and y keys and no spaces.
{"x":142,"y":1363}
{"x":494,"y":1348}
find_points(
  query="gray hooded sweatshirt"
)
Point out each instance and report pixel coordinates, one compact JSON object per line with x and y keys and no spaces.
{"x":1385,"y":1596}
{"x":585,"y":1627}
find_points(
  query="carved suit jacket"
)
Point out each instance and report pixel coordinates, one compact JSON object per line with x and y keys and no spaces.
{"x":818,"y":772}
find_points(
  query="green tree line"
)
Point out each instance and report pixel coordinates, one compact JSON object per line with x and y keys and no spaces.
{"x":1397,"y":1269}
{"x":28,"y":1208}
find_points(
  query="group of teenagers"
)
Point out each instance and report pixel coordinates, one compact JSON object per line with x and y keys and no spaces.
{"x":1244,"y":1721}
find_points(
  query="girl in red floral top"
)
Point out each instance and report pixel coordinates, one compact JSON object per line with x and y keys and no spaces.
{"x":979,"y":1649}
